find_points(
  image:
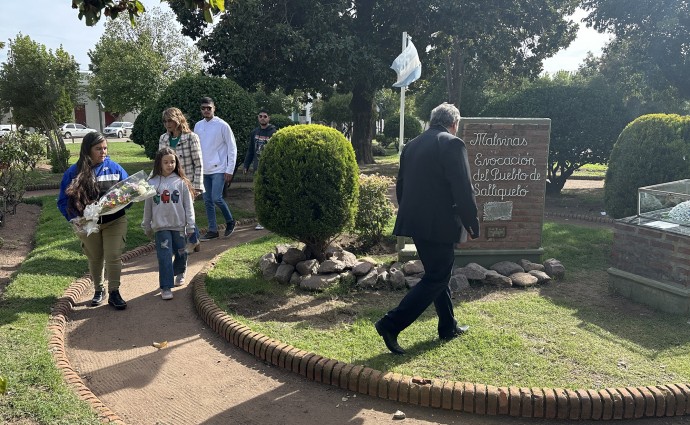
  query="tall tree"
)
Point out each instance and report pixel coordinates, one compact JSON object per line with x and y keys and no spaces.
{"x":656,"y":30}
{"x":132,"y":65}
{"x":478,"y":41}
{"x":311,"y":46}
{"x":40,"y":87}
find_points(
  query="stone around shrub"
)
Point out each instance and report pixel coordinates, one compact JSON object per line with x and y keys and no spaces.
{"x":527,"y":265}
{"x":523,"y":280}
{"x":293,"y":256}
{"x":554,"y":268}
{"x":458,"y":282}
{"x":542,"y":277}
{"x":413,"y":267}
{"x":320,"y":282}
{"x":495,"y":278}
{"x":396,"y":279}
{"x":284,"y":273}
{"x":506,"y":268}
{"x":268,"y":265}
{"x":362,"y":268}
{"x":348,"y":279}
{"x":295,"y":279}
{"x":369,"y":280}
{"x":411,"y":282}
{"x":473,"y":271}
{"x":331,"y":265}
{"x":307,"y":267}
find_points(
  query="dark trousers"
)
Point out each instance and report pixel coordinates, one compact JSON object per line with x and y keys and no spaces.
{"x":434,"y":287}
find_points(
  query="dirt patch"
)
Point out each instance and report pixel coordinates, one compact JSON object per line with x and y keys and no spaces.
{"x":16,"y":240}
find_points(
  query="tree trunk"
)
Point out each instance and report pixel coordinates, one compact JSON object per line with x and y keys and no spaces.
{"x":362,"y":107}
{"x":455,"y":74}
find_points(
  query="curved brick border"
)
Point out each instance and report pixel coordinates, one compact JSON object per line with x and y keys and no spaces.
{"x":467,"y":397}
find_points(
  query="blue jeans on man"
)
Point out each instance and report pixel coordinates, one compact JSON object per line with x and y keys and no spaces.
{"x":214,"y":184}
{"x":169,"y":244}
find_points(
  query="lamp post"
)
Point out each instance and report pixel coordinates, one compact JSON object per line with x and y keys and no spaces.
{"x":100,"y":112}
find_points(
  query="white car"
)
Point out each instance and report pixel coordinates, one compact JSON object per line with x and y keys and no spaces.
{"x":118,"y":129}
{"x":6,"y":128}
{"x":72,"y":130}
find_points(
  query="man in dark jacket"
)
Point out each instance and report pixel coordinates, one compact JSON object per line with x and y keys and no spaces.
{"x":257,"y":141}
{"x":436,"y":207}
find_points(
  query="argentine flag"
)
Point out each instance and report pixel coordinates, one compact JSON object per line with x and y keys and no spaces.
{"x":407,"y":66}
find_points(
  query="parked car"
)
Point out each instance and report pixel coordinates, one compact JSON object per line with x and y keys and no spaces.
{"x":72,"y":130}
{"x":6,"y":128}
{"x":118,"y":129}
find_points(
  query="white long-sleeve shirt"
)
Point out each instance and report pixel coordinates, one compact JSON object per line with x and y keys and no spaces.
{"x":218,"y":147}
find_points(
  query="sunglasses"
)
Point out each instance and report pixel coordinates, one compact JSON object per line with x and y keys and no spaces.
{"x":206,"y":108}
{"x":263,"y":116}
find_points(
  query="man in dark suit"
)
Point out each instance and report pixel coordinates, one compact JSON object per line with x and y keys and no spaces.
{"x":436,"y":206}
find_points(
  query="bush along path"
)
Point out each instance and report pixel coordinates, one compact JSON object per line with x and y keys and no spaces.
{"x":156,"y":362}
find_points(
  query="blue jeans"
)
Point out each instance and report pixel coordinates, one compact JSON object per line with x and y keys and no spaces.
{"x":169,"y":244}
{"x":213,"y":196}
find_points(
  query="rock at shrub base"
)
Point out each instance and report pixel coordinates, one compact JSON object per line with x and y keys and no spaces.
{"x":554,"y":268}
{"x":527,"y":265}
{"x":294,"y":256}
{"x":506,"y":268}
{"x":542,"y":277}
{"x":319,"y":282}
{"x":413,"y":267}
{"x":284,"y":273}
{"x":523,"y":280}
{"x":268,"y":265}
{"x":495,"y":278}
{"x":307,"y":267}
{"x":362,"y":268}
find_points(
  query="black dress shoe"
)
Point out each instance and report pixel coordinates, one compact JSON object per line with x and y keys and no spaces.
{"x":389,"y":339}
{"x":459,"y":330}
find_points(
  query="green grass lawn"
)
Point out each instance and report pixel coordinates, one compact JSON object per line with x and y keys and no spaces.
{"x":130,"y":155}
{"x":568,"y":334}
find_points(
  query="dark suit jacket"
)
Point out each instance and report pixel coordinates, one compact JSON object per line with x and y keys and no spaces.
{"x":434,"y":189}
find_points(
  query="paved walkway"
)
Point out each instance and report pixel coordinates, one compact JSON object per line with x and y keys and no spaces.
{"x":200,"y":378}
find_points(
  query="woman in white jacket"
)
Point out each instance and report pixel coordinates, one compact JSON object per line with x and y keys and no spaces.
{"x":169,"y":218}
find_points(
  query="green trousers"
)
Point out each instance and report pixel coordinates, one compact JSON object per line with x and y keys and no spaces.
{"x":104,"y":251}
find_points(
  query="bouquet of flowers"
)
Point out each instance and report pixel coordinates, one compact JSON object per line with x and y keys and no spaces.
{"x":134,"y":188}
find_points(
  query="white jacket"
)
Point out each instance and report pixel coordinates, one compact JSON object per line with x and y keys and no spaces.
{"x":172,"y":208}
{"x":218,"y":147}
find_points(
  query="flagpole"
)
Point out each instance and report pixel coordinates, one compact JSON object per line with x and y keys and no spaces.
{"x":402,"y":103}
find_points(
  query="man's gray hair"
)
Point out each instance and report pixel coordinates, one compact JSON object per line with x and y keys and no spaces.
{"x":445,"y":114}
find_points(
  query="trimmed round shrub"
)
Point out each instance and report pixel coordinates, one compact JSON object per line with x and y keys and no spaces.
{"x":391,"y":128}
{"x":233,"y":104}
{"x":281,"y":121}
{"x":306,"y":186}
{"x":650,"y":150}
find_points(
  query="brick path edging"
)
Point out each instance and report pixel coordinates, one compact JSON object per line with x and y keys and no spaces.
{"x":466,"y":397}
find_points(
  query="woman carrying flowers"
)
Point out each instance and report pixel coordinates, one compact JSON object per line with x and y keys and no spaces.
{"x":83,"y":184}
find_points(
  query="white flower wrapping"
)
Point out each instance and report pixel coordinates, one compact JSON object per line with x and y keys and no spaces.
{"x":134,"y":188}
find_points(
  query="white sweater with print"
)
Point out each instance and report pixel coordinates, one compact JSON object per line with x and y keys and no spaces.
{"x":172,"y":208}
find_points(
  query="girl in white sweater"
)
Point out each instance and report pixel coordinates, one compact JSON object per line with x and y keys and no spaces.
{"x":169,"y":217}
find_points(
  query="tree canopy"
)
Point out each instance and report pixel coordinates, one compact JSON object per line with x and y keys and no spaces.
{"x":40,"y":88}
{"x":587,"y":115}
{"x":132,"y":65}
{"x":92,"y":10}
{"x":657,"y":34}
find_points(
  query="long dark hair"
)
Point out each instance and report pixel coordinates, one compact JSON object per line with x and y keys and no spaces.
{"x":83,"y":190}
{"x":158,"y":167}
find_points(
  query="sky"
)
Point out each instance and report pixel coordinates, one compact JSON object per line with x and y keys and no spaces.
{"x":54,"y":23}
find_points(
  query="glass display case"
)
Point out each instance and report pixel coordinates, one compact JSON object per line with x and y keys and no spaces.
{"x":666,"y":202}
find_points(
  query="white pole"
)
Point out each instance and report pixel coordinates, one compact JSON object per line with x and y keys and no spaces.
{"x":402,"y":103}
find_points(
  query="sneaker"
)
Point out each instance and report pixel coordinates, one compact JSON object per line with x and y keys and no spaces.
{"x":209,"y":235}
{"x":166,"y":294}
{"x":115,"y":299}
{"x":229,"y":228}
{"x":259,"y":227}
{"x":179,"y":279}
{"x":97,"y":298}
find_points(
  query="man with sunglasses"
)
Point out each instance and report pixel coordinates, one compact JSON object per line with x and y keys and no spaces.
{"x":257,"y":141}
{"x":219,"y":154}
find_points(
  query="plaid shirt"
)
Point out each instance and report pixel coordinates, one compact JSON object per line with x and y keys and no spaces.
{"x":189,"y":151}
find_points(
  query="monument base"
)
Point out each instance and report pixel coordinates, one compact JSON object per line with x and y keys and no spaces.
{"x":653,"y":293}
{"x":483,"y":257}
